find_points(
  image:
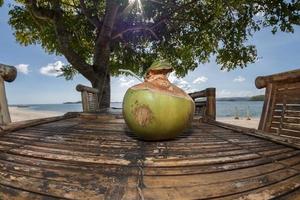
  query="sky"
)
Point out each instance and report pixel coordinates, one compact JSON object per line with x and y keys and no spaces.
{"x":37,"y":81}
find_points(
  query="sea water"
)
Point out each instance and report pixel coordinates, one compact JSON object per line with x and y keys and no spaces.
{"x":224,"y":108}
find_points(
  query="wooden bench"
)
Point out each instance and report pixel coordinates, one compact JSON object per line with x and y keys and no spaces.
{"x":281,"y":109}
{"x":205,"y":101}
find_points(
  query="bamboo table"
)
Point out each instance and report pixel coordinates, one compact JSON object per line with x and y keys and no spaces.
{"x":81,"y":156}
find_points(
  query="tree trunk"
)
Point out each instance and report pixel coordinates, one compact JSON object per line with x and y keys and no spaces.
{"x":104,"y":98}
{"x":102,"y":54}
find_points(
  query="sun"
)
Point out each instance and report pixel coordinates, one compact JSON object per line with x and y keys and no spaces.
{"x":138,"y":4}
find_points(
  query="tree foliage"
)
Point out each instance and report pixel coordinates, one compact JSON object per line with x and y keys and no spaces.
{"x":186,"y":32}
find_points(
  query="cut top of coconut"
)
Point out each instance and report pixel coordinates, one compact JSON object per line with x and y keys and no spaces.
{"x":160,"y":67}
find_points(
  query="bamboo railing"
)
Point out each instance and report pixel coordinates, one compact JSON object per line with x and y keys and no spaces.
{"x":205,"y":101}
{"x":8,"y":74}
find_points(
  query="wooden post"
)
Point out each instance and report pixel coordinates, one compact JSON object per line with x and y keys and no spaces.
{"x":211,"y":104}
{"x":248,"y":113}
{"x":4,"y":113}
{"x":267,"y":108}
{"x":85,"y":101}
{"x":7,"y":73}
{"x":236,"y":116}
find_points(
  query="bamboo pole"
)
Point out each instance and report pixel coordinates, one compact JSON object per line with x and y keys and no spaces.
{"x":285,"y":77}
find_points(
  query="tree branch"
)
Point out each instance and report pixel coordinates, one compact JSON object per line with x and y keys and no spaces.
{"x":74,"y":58}
{"x":93,"y":19}
{"x":136,"y":28}
{"x":63,"y":37}
{"x":163,"y":19}
{"x":39,"y":12}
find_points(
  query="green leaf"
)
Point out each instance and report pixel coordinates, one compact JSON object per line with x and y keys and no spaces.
{"x":187,"y":33}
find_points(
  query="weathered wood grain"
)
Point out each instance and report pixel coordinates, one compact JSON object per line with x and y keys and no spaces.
{"x":99,"y":158}
{"x":281,"y":110}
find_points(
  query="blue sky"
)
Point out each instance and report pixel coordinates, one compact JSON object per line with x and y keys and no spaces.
{"x":36,"y":83}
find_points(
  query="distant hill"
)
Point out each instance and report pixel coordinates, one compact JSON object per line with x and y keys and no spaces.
{"x":258,"y":98}
{"x":234,"y":99}
{"x":253,"y":98}
{"x":76,"y":102}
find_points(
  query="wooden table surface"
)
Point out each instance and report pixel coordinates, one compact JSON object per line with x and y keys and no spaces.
{"x":88,"y":158}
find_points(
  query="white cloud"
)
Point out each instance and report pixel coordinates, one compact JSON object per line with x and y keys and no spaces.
{"x":224,"y":93}
{"x":239,"y":79}
{"x":23,"y":68}
{"x":201,"y":79}
{"x":126,"y":82}
{"x":181,"y":83}
{"x":244,"y":93}
{"x":52,"y":69}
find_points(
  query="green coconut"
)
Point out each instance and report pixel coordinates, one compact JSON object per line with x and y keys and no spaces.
{"x":157,"y":109}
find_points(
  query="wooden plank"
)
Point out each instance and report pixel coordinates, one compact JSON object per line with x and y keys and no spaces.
{"x":84,"y":154}
{"x":289,"y":126}
{"x":30,"y":123}
{"x":279,"y":188}
{"x":76,"y":167}
{"x":287,"y":113}
{"x":12,"y":193}
{"x":288,"y":100}
{"x":89,"y":159}
{"x":289,"y":77}
{"x":286,"y":133}
{"x":219,"y":167}
{"x":293,"y":195}
{"x":289,"y":107}
{"x":291,"y":120}
{"x":288,"y":86}
{"x":289,"y":91}
{"x":71,"y":176}
{"x":196,"y":161}
{"x":49,"y":187}
{"x":293,"y":142}
{"x":203,"y":191}
{"x":209,"y":178}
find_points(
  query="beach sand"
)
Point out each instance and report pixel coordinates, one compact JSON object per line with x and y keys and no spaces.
{"x":21,"y":114}
{"x":253,"y":123}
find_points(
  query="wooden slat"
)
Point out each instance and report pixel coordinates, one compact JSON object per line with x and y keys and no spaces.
{"x":11,"y":193}
{"x":293,"y":195}
{"x":290,"y":107}
{"x":291,"y":120}
{"x":99,"y":158}
{"x":287,"y":113}
{"x":282,"y":87}
{"x":286,"y":132}
{"x":42,"y":186}
{"x":272,"y":191}
{"x":223,"y":188}
{"x":289,"y":126}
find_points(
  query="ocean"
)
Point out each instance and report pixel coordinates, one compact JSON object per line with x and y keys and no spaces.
{"x":224,"y":108}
